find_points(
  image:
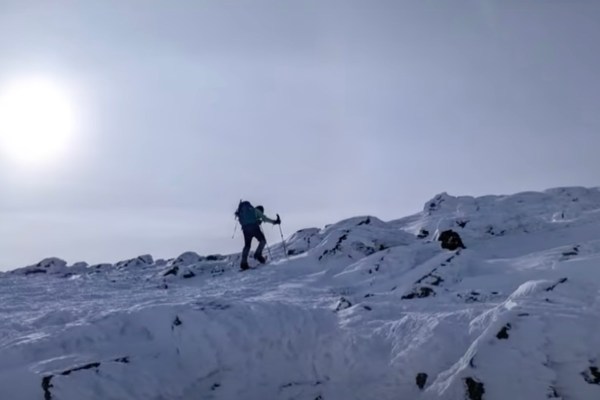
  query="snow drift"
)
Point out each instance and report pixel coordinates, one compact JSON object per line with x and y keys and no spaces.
{"x":362,"y":309}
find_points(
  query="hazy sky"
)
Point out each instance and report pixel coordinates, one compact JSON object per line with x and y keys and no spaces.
{"x":319,"y":110}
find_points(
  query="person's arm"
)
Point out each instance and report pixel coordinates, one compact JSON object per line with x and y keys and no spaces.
{"x":264,"y":218}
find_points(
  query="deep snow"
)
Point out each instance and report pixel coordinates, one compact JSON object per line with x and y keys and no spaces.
{"x":362,"y":309}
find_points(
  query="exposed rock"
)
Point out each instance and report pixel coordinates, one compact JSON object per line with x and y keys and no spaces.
{"x":176,"y":322}
{"x":431,"y":279}
{"x":419,"y":293}
{"x":336,"y":248}
{"x":503,"y":333}
{"x":551,"y":288}
{"x":343,"y":304}
{"x":592,"y":376}
{"x":475,"y":389}
{"x":573,"y":252}
{"x":451,"y":240}
{"x":47,"y":380}
{"x":493,"y":232}
{"x":35,"y":271}
{"x":46,"y":386}
{"x":172,"y":271}
{"x":421,"y":380}
{"x":462,"y":223}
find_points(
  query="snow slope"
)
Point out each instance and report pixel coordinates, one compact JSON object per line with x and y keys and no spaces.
{"x":362,"y":309}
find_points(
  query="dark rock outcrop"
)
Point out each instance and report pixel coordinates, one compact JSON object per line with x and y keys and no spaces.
{"x":475,"y":389}
{"x":421,"y":380}
{"x":176,"y":322}
{"x":47,"y":380}
{"x":552,"y":287}
{"x":419,"y":293}
{"x":592,"y":375}
{"x":503,"y":333}
{"x":571,"y":253}
{"x":451,"y":240}
{"x":343,"y":304}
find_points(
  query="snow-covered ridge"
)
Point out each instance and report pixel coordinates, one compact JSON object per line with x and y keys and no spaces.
{"x":362,"y":309}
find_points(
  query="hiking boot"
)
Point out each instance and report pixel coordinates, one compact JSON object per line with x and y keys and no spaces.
{"x":260,"y":258}
{"x":244,"y":266}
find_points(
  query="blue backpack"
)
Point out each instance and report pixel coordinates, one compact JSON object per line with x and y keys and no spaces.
{"x":246,"y":214}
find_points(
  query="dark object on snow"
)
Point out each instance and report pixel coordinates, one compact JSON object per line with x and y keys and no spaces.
{"x":343,"y":304}
{"x":338,"y":246}
{"x":503,"y":333}
{"x":475,"y":389}
{"x":47,"y":380}
{"x":551,"y":288}
{"x":46,"y":385}
{"x":294,"y":252}
{"x":421,"y":380}
{"x":419,"y":293}
{"x":593,"y":376}
{"x":571,"y":253}
{"x":451,"y":240}
{"x":423,"y":233}
{"x":177,"y":322}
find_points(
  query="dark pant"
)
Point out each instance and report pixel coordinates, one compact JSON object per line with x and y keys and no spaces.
{"x":251,"y":232}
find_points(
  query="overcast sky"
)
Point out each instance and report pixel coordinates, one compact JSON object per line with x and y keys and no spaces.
{"x":319,"y":110}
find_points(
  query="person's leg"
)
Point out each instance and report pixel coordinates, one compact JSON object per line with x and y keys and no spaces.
{"x":247,"y":243}
{"x":259,"y":235}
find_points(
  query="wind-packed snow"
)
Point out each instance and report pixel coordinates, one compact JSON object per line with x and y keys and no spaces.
{"x":362,"y":309}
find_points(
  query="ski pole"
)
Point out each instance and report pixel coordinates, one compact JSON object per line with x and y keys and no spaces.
{"x":236,"y":218}
{"x":283,"y":241}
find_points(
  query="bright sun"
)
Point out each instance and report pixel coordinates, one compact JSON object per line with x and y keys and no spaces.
{"x":36,"y":120}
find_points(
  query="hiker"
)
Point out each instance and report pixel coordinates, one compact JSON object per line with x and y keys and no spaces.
{"x":250,"y":218}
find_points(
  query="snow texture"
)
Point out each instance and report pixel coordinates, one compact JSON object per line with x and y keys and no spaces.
{"x":362,"y":309}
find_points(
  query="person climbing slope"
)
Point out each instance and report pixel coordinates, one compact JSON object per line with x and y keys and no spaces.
{"x":250,"y":218}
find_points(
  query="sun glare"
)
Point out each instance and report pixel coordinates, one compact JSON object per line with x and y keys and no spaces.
{"x":36,"y":120}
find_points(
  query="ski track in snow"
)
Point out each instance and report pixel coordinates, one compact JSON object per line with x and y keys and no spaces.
{"x":362,"y":309}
